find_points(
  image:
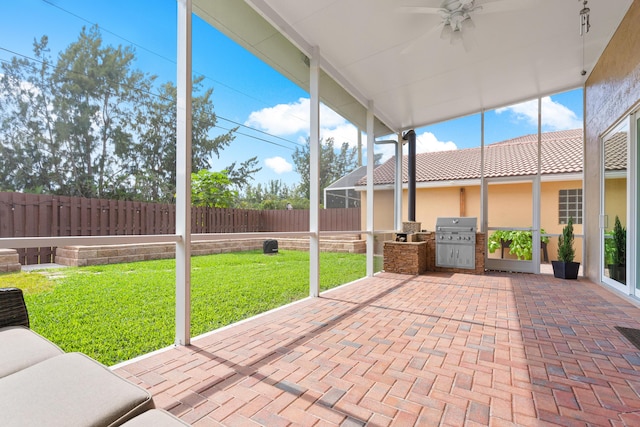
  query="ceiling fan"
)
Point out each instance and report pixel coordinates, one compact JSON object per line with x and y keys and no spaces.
{"x":456,"y":15}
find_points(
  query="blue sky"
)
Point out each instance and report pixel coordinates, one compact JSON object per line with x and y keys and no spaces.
{"x":246,"y":91}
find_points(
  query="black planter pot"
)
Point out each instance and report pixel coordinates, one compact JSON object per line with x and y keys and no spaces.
{"x":565,"y":270}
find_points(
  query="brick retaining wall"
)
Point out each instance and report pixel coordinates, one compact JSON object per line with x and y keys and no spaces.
{"x":80,"y":256}
{"x":9,"y":261}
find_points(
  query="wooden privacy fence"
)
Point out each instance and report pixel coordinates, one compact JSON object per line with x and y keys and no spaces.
{"x":35,"y":215}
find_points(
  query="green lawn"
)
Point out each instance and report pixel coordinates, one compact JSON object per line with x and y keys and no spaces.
{"x":116,"y":312}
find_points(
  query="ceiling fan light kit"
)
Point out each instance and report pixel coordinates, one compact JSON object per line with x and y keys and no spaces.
{"x":456,"y":17}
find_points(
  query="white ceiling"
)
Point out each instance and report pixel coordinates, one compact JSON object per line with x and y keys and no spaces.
{"x":377,"y":51}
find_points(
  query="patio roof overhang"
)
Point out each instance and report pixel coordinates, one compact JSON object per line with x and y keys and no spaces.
{"x":389,"y":73}
{"x":378,"y":53}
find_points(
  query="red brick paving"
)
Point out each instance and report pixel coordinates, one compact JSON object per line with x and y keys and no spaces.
{"x":397,"y":350}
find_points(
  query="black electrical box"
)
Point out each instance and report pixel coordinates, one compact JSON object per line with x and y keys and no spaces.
{"x":270,"y":247}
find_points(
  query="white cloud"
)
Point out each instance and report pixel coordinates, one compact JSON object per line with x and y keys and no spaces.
{"x":293,"y":118}
{"x":278,"y":165}
{"x":345,"y":132}
{"x":555,"y":116}
{"x":282,"y":119}
{"x":426,"y":142}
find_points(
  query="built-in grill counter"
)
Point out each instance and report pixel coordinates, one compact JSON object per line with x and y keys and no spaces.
{"x":456,"y":242}
{"x":454,"y":247}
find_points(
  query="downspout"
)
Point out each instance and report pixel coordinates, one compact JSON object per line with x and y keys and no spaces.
{"x":410,"y":137}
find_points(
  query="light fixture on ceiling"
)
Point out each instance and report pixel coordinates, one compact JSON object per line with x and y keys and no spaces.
{"x":456,"y":17}
{"x":585,"y":25}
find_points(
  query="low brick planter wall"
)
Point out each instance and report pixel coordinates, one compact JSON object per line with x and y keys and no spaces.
{"x":80,"y":256}
{"x":405,"y":257}
{"x":9,"y":261}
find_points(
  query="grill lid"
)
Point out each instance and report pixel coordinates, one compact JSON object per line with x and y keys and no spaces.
{"x":465,"y":223}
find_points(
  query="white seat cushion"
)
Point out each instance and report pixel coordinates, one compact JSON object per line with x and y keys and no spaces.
{"x":20,"y":348}
{"x":69,"y":390}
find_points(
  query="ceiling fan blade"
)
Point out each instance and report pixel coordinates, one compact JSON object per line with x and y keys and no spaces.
{"x":498,"y":6}
{"x":420,"y":9}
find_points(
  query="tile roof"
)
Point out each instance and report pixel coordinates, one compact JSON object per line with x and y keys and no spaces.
{"x":616,"y":152}
{"x":561,"y":152}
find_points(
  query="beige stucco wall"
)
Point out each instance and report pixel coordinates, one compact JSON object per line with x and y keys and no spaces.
{"x":382,"y":210}
{"x":612,"y":92}
{"x":432,"y":203}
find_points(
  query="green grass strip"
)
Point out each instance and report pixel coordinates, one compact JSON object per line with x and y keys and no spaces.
{"x":119,"y":311}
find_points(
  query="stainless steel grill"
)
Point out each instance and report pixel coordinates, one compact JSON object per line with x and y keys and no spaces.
{"x":456,"y":242}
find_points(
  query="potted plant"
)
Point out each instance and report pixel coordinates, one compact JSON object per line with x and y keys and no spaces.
{"x":520,"y":243}
{"x":565,"y":267}
{"x":618,"y":266}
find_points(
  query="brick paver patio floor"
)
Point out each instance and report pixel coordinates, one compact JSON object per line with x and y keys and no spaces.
{"x":449,"y":350}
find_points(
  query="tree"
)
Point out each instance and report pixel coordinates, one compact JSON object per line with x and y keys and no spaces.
{"x":152,"y":155}
{"x":30,"y":149}
{"x":211,"y":189}
{"x":92,"y":125}
{"x":97,"y":88}
{"x":334,"y":164}
{"x":242,"y":174}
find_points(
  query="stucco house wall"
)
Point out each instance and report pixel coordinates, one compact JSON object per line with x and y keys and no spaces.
{"x":382,"y":210}
{"x":612,"y":92}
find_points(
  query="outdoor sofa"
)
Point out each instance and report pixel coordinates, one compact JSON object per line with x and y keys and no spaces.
{"x":41,"y":385}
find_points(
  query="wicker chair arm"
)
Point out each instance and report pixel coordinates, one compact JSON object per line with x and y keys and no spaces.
{"x":13,"y":310}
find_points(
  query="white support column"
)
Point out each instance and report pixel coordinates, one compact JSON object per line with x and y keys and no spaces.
{"x":359,"y":147}
{"x":398,"y":184}
{"x":537,"y":199}
{"x":370,"y":166}
{"x":183,"y":176}
{"x":314,"y":174}
{"x":483,"y":186}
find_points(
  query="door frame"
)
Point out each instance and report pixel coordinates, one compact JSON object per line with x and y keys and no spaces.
{"x":631,"y":205}
{"x":519,"y":266}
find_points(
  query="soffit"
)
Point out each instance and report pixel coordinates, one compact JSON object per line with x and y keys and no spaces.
{"x":374,"y":51}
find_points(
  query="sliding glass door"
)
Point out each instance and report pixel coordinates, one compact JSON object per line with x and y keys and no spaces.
{"x":614,"y":212}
